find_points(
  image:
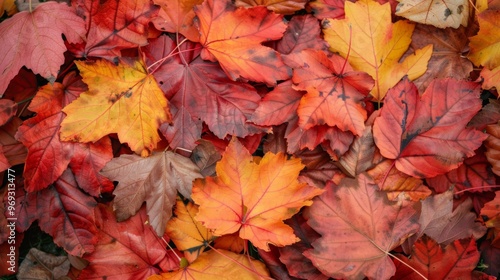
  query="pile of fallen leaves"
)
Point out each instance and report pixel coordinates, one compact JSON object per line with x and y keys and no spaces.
{"x":219,"y":139}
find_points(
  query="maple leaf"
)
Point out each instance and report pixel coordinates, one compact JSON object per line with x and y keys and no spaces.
{"x":33,"y":39}
{"x":134,"y":241}
{"x":356,"y":243}
{"x":188,"y":234}
{"x":200,"y":91}
{"x":303,"y":32}
{"x":484,"y":47}
{"x":440,"y":13}
{"x":39,"y":264}
{"x":286,"y":7}
{"x":63,"y":211}
{"x":47,"y":155}
{"x":491,"y":78}
{"x":375,"y":44}
{"x":176,"y":16}
{"x":396,"y":183}
{"x":218,"y":265}
{"x":474,"y":175}
{"x":238,"y":48}
{"x":155,"y":179}
{"x":122,"y":99}
{"x":447,"y":59}
{"x":115,"y":25}
{"x":430,"y":260}
{"x":427,"y":136}
{"x":244,"y":196}
{"x":278,"y":106}
{"x":296,"y":263}
{"x":334,"y":93}
{"x":441,"y":222}
{"x":323,"y":9}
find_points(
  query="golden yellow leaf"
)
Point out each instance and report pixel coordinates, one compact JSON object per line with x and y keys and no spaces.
{"x":485,"y":46}
{"x":440,"y":13}
{"x":8,"y":6}
{"x":221,"y":265}
{"x":188,"y":234}
{"x":122,"y":99}
{"x":372,"y":43}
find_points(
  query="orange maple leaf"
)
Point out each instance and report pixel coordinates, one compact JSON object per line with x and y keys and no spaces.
{"x":122,"y":99}
{"x":375,"y":44}
{"x":233,"y":36}
{"x":253,"y":198}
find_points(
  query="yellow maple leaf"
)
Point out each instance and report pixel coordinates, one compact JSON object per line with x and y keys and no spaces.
{"x":188,"y":234}
{"x":218,"y":265}
{"x":253,"y":197}
{"x":440,"y":13}
{"x":122,"y":99}
{"x":485,"y":46}
{"x":372,"y":43}
{"x":8,"y":6}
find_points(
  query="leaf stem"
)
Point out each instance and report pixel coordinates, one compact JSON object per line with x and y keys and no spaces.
{"x":477,"y":188}
{"x":160,"y":61}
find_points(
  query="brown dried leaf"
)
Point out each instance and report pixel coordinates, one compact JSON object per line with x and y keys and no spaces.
{"x":359,"y":156}
{"x":41,"y":265}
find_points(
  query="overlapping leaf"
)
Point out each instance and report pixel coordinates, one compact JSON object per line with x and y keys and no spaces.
{"x":200,"y":90}
{"x":233,"y":36}
{"x":440,"y":13}
{"x":358,"y":227}
{"x":372,"y":43}
{"x":155,"y":180}
{"x":427,"y":135}
{"x":252,"y":198}
{"x":33,"y":39}
{"x":334,"y":91}
{"x":177,"y":16}
{"x":122,"y":99}
{"x":484,"y":47}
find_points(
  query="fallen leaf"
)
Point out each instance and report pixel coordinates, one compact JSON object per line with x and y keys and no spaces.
{"x":357,"y":242}
{"x":474,"y":175}
{"x":442,"y":223}
{"x":303,"y":32}
{"x":188,"y":234}
{"x":489,"y":114}
{"x":323,"y":9}
{"x":448,"y":53}
{"x":205,"y":156}
{"x":67,"y":214}
{"x":296,"y":263}
{"x":490,"y":213}
{"x":491,"y":78}
{"x":176,"y":16}
{"x":360,"y":155}
{"x":484,"y":47}
{"x":231,"y":242}
{"x":278,"y":106}
{"x":134,"y":241}
{"x":154,"y":180}
{"x":426,"y":136}
{"x":8,"y":6}
{"x":430,"y":260}
{"x":369,"y":40}
{"x":395,"y":183}
{"x":126,"y":28}
{"x":490,"y":255}
{"x":440,"y":13}
{"x":334,"y":91}
{"x":286,"y":7}
{"x":223,"y":265}
{"x":238,"y":49}
{"x":122,"y":99}
{"x":33,"y":39}
{"x":40,"y":265}
{"x":8,"y":109}
{"x":200,"y":91}
{"x":244,"y":197}
{"x":492,"y":144}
